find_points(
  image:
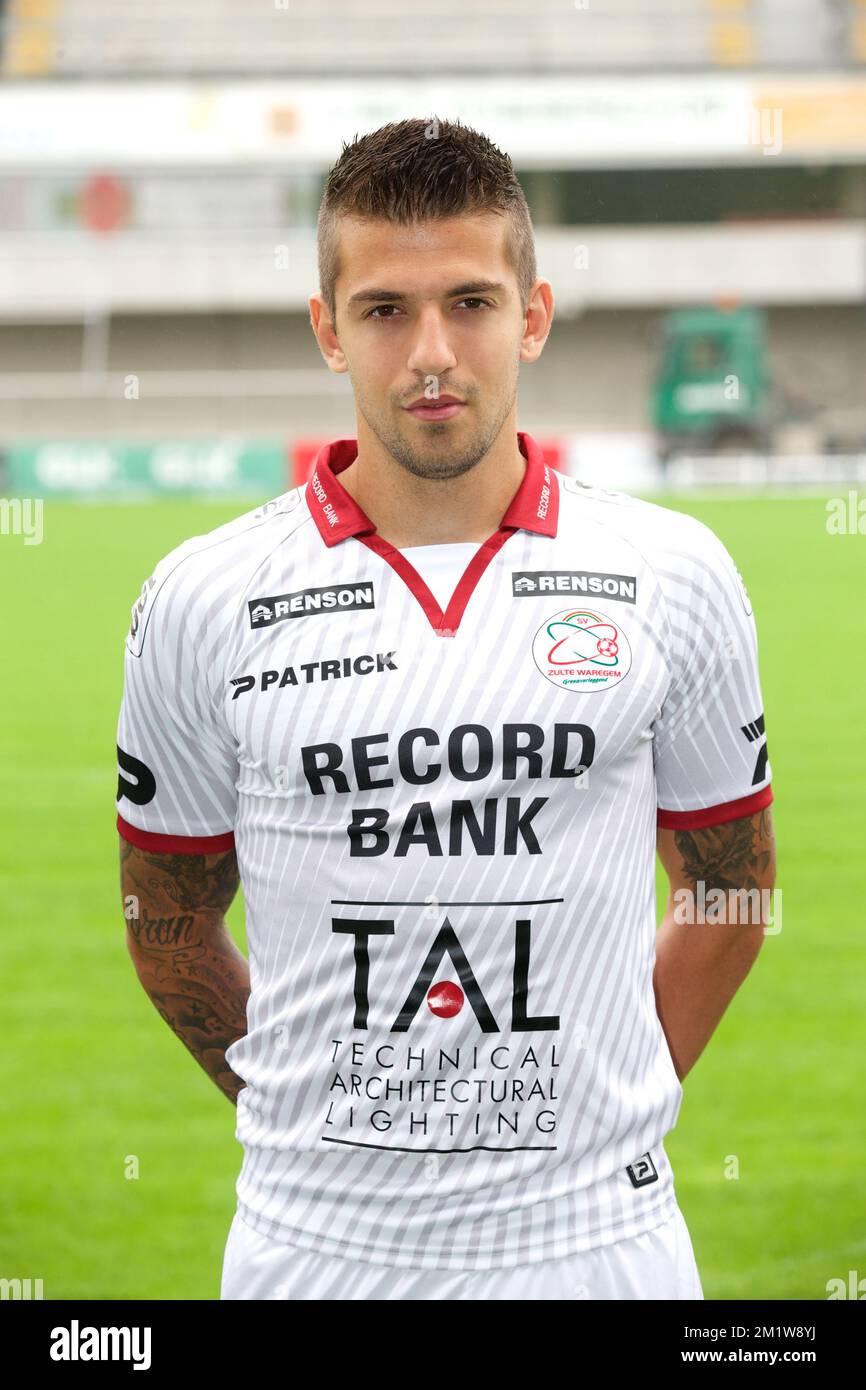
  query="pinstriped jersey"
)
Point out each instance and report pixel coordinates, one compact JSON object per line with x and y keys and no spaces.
{"x":444,"y":812}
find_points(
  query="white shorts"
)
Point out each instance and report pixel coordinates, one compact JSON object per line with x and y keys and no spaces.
{"x":659,"y":1264}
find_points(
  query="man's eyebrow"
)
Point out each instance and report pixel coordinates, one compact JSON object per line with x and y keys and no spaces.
{"x":376,"y":296}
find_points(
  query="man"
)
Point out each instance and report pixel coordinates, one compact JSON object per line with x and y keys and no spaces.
{"x":436,"y":710}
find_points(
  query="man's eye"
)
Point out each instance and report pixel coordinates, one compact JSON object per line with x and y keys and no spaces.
{"x":378,"y":311}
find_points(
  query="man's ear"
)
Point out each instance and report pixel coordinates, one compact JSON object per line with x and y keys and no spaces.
{"x":326,"y":334}
{"x":539,"y":317}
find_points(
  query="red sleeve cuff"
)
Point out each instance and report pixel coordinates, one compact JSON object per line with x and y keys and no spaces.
{"x":174,"y":844}
{"x":715,"y":815}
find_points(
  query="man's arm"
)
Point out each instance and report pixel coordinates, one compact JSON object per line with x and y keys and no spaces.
{"x":701,"y":963}
{"x":184,"y":955}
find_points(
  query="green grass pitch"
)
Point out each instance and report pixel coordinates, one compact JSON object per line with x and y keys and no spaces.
{"x":92,"y":1075}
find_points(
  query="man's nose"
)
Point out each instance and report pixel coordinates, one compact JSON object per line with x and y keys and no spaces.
{"x":431,"y":352}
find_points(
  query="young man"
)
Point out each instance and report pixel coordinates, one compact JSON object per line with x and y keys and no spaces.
{"x":436,"y":710}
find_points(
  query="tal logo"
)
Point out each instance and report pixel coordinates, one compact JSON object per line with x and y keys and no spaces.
{"x":433,"y":986}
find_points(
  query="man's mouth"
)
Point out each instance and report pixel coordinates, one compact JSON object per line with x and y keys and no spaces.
{"x":441,"y":408}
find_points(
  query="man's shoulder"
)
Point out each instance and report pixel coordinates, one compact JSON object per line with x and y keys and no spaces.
{"x":243,"y":536}
{"x":690,"y":562}
{"x":204,"y":568}
{"x":668,"y":539}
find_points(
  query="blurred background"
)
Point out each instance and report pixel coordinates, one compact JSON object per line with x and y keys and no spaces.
{"x":696,"y":173}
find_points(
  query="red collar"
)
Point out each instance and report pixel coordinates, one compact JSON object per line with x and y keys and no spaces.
{"x":534,"y":506}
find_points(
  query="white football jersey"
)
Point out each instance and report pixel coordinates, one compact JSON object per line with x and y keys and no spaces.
{"x":445,"y":824}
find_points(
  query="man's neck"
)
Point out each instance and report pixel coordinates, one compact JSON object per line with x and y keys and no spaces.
{"x":409,"y":511}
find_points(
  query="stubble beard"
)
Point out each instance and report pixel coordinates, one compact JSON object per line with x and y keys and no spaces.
{"x":439,"y":463}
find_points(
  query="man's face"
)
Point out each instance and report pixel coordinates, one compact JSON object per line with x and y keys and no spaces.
{"x":425,"y":313}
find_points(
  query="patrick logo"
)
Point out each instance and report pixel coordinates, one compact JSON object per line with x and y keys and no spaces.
{"x":580,"y":649}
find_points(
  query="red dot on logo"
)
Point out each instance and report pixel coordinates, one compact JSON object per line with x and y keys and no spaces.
{"x":445,"y":999}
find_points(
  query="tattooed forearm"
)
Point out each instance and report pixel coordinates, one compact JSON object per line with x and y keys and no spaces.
{"x":187,"y":961}
{"x":201,"y":993}
{"x":162,"y":931}
{"x":737,"y":855}
{"x":189,"y":880}
{"x":700,"y":967}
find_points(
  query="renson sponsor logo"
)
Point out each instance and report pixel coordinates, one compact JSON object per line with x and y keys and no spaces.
{"x":332,"y":598}
{"x":530,"y":583}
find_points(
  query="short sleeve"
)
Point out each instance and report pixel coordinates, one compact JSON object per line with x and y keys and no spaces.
{"x":710,"y":741}
{"x":177,"y":764}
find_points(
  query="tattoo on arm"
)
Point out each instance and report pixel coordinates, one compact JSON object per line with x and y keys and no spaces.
{"x":190,"y":880}
{"x":183,"y":952}
{"x":739,"y":854}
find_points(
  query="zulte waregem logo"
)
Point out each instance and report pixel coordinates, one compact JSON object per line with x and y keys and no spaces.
{"x":582,"y":649}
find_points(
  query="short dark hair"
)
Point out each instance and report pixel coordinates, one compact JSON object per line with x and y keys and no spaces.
{"x":414,"y":170}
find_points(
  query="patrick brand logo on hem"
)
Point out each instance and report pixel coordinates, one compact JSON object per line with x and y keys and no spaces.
{"x":77,"y":1343}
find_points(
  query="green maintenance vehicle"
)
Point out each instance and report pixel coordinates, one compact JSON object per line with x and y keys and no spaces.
{"x":712,"y":392}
